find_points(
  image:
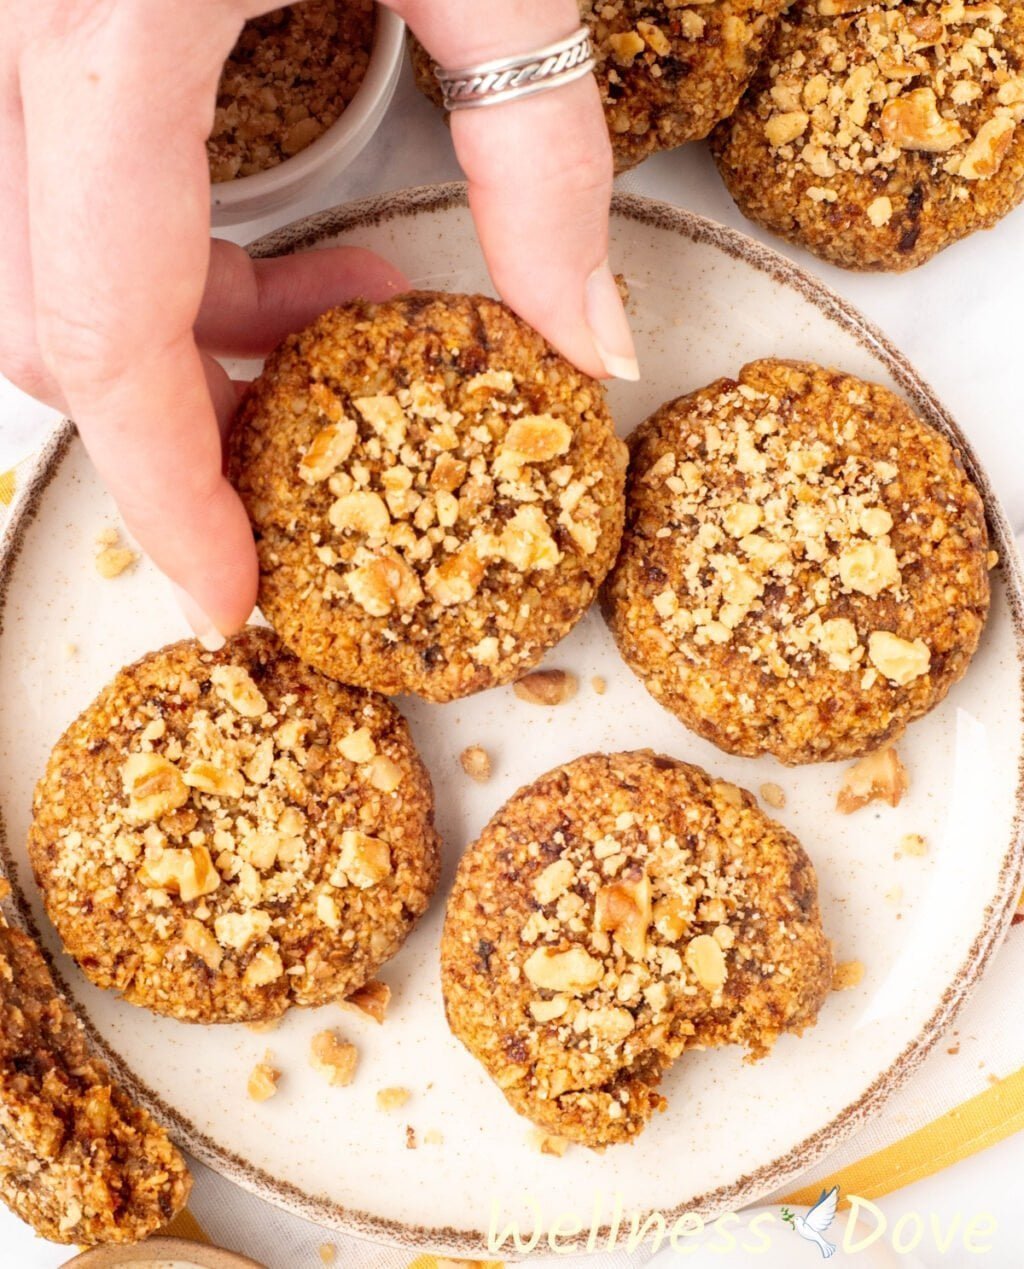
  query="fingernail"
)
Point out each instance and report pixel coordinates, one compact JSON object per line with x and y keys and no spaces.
{"x":609,"y":325}
{"x":202,"y":627}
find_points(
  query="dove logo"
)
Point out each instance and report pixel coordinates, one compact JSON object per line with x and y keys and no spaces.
{"x":814,"y":1225}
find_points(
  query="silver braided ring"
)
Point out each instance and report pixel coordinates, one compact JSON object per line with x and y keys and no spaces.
{"x":510,"y":78}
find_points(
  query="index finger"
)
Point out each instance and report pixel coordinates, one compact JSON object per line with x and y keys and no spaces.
{"x":540,"y":178}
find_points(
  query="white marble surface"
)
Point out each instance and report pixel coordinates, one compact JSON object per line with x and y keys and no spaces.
{"x":957,"y":319}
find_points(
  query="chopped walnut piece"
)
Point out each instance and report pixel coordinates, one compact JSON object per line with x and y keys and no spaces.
{"x":238,"y":929}
{"x":197,"y":938}
{"x":536,"y":438}
{"x":847,"y":974}
{"x":546,"y":687}
{"x":333,"y":1058}
{"x":189,"y":872}
{"x":912,"y":122}
{"x":327,"y":451}
{"x":781,"y":129}
{"x":574,"y":971}
{"x":358,"y":746}
{"x":706,"y":959}
{"x":206,"y":777}
{"x":392,"y":1098}
{"x":879,"y":211}
{"x":153,"y":785}
{"x":384,"y":773}
{"x":985,"y":154}
{"x":623,"y":909}
{"x":900,"y":660}
{"x":387,"y":418}
{"x":880,"y":777}
{"x":364,"y":860}
{"x":234,"y":684}
{"x":599,"y":685}
{"x":263,"y":1079}
{"x":553,"y":882}
{"x":372,"y":1000}
{"x":384,"y":583}
{"x":774,"y":795}
{"x":476,"y":763}
{"x":457,"y":579}
{"x":265,"y":967}
{"x":360,"y":512}
{"x":869,"y":567}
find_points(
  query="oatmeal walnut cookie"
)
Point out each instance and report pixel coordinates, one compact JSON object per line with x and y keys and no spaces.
{"x":78,"y":1160}
{"x":620,"y":910}
{"x":222,"y":835}
{"x":290,"y":76}
{"x":804,"y":566}
{"x":875,"y":134}
{"x":436,"y":493}
{"x":667,"y":71}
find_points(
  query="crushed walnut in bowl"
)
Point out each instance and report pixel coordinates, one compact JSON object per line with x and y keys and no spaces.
{"x":299,"y":96}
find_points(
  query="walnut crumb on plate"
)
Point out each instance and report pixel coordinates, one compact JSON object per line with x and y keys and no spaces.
{"x":334,"y":1058}
{"x":476,"y":762}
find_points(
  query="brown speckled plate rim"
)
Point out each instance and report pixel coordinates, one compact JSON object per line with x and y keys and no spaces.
{"x":771,"y":1176}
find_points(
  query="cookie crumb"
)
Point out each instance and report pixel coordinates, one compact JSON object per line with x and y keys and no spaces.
{"x":476,"y":762}
{"x":548,"y":1143}
{"x":392,"y":1098}
{"x":773,"y":795}
{"x":847,"y":974}
{"x":371,"y":1001}
{"x":599,"y":684}
{"x":546,"y":687}
{"x":410,"y":1137}
{"x":113,"y":559}
{"x":912,"y":844}
{"x":880,"y":777}
{"x":263,"y":1079}
{"x":328,"y":1253}
{"x":334,"y":1058}
{"x":264,"y":1025}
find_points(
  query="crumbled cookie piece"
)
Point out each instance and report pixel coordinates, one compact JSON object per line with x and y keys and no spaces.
{"x":113,"y":559}
{"x":79,"y":1162}
{"x":803,"y":566}
{"x":328,"y":1253}
{"x":477,"y":507}
{"x":334,"y":1058}
{"x":290,"y":76}
{"x":847,"y":975}
{"x":263,"y":1079}
{"x":410,"y":1137}
{"x":212,"y":843}
{"x":476,"y":762}
{"x":773,"y":795}
{"x":913,"y":844}
{"x":548,"y":1143}
{"x":371,"y":1001}
{"x":618,"y":911}
{"x":599,"y":685}
{"x":392,"y":1098}
{"x":876,"y":134}
{"x":880,"y":777}
{"x":546,"y":687}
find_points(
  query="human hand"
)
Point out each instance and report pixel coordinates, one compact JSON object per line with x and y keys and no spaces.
{"x":115,"y":301}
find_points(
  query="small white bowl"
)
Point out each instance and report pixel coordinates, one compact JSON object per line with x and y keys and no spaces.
{"x":247,"y":197}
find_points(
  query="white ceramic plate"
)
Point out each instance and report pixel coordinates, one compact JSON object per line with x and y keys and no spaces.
{"x":704,"y":301}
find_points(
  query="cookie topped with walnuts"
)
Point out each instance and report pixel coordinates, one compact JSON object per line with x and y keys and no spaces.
{"x":876,"y":132}
{"x":667,"y":70}
{"x":620,"y":910}
{"x":436,"y":493}
{"x":222,"y":835}
{"x":805,"y":563}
